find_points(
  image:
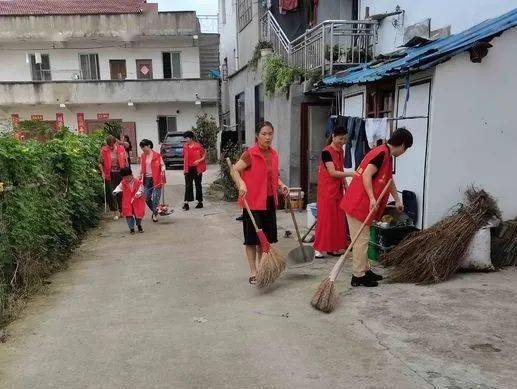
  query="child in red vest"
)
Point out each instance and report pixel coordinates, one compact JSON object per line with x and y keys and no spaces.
{"x":133,"y":201}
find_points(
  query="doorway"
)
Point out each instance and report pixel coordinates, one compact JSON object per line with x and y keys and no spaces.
{"x":314,"y":118}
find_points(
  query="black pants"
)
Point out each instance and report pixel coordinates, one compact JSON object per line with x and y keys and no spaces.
{"x":114,"y":200}
{"x":190,"y":178}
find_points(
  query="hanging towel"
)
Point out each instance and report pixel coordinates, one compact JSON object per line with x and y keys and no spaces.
{"x":357,"y":137}
{"x":376,"y":129}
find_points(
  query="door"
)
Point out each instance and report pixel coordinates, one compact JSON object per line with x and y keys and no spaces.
{"x":118,"y":69}
{"x":129,"y":129}
{"x":410,"y":167}
{"x":317,"y":120}
{"x":166,"y":124}
{"x":144,"y":69}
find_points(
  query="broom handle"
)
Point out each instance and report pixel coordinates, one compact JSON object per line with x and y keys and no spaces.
{"x":339,"y":264}
{"x":296,"y":226}
{"x":234,"y":178}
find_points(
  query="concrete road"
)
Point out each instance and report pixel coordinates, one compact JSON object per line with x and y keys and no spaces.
{"x":171,"y":308}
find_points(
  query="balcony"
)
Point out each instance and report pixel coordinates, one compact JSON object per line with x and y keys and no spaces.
{"x":329,"y":47}
{"x":108,"y":92}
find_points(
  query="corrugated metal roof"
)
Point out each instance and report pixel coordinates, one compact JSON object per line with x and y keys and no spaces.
{"x":69,"y":7}
{"x":423,"y":57}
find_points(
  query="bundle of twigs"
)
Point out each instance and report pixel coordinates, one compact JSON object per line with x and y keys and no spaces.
{"x":435,"y":254}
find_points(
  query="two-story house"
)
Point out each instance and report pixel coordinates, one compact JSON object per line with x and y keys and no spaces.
{"x":80,"y":64}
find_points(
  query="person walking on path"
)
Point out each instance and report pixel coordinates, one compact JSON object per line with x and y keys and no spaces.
{"x":133,"y":202}
{"x":331,"y":228}
{"x":152,"y":174}
{"x":194,"y":165}
{"x":374,"y":172}
{"x":259,"y":184}
{"x":112,"y":159}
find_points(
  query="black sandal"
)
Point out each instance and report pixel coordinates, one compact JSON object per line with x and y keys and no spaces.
{"x":252,"y":280}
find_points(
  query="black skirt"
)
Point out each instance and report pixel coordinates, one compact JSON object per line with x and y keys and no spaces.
{"x":266,"y":221}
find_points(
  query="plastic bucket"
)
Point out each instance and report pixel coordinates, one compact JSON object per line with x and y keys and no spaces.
{"x":311,"y":214}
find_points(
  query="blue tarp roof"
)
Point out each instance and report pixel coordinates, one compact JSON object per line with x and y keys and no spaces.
{"x":215,"y":73}
{"x":423,"y":57}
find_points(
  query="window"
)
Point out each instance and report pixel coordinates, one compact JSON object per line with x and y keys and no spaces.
{"x":118,"y":69}
{"x":166,"y":124}
{"x":40,"y":67}
{"x":89,"y":66}
{"x":171,"y":65}
{"x":144,"y":69}
{"x":244,"y":13}
{"x":240,"y":117}
{"x":259,"y":104}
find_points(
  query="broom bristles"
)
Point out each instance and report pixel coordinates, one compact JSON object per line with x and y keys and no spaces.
{"x":270,"y":268}
{"x":325,"y":298}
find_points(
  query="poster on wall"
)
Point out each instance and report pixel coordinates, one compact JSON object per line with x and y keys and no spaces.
{"x":60,"y":120}
{"x":15,"y":118}
{"x":37,"y":117}
{"x":103,"y":116}
{"x":81,"y":124}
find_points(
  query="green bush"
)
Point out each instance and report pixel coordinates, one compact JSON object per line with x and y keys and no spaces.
{"x":224,"y":182}
{"x":50,"y":195}
{"x":206,"y":133}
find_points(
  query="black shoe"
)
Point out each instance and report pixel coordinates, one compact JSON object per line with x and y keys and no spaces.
{"x":155,"y":218}
{"x":132,"y":231}
{"x":240,"y":218}
{"x":199,"y":205}
{"x":186,"y":207}
{"x":140,"y":229}
{"x":374,"y":277}
{"x":363,"y":281}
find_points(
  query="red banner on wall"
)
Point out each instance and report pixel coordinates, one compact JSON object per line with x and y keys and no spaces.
{"x":37,"y":117}
{"x":81,"y":124}
{"x":15,"y":118}
{"x":103,"y":116}
{"x":60,"y":120}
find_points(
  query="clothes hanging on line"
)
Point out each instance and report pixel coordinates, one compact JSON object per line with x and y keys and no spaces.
{"x":335,"y":121}
{"x":376,"y":129}
{"x":357,"y":137}
{"x":289,"y":5}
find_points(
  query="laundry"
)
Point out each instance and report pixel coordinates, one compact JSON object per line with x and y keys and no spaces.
{"x":335,"y":121}
{"x":357,"y":137}
{"x":376,"y":129}
{"x":289,"y":5}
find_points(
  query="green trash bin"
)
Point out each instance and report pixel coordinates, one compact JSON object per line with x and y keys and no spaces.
{"x":373,"y":247}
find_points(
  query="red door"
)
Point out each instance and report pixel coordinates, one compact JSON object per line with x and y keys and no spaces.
{"x":129,"y":129}
{"x":144,"y":69}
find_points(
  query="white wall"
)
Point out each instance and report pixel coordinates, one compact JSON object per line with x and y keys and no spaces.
{"x":64,"y":63}
{"x":228,"y":31}
{"x":145,"y":115}
{"x":460,"y":14}
{"x":473,"y":135}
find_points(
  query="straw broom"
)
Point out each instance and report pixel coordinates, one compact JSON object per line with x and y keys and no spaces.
{"x":271,"y":263}
{"x":435,"y":254}
{"x":325,"y":299}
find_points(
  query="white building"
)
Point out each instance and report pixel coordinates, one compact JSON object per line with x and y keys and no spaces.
{"x":88,"y":62}
{"x":464,"y":131}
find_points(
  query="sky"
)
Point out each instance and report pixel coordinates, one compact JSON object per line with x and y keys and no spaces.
{"x":202,"y":7}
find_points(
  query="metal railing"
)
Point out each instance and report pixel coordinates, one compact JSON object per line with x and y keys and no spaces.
{"x":330,"y":46}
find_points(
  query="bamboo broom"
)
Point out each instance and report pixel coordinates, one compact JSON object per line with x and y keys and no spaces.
{"x":271,"y":263}
{"x":325,"y":299}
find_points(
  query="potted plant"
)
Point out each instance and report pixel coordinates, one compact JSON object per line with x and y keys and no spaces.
{"x":266,"y":48}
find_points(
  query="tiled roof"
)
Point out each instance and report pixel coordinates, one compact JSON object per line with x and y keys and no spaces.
{"x":69,"y":7}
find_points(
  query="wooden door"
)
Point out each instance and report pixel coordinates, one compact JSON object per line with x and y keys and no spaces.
{"x":144,"y":69}
{"x":118,"y":69}
{"x":129,"y":129}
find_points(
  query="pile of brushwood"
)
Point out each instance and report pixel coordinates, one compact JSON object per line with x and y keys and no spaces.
{"x":435,"y":254}
{"x":50,"y":195}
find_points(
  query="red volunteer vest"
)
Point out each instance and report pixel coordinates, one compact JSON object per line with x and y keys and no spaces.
{"x":106,"y":158}
{"x":156,"y":169}
{"x":328,"y":186}
{"x":191,"y":154}
{"x":356,"y":202}
{"x":132,"y":206}
{"x":255,"y":178}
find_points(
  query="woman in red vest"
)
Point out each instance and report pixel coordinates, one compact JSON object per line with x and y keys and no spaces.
{"x":133,"y":202}
{"x":331,"y":229}
{"x":112,"y":159}
{"x":259,"y":184}
{"x":194,"y":166}
{"x":152,"y":173}
{"x":369,"y":180}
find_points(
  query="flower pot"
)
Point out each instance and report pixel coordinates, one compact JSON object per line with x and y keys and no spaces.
{"x":266,"y":52}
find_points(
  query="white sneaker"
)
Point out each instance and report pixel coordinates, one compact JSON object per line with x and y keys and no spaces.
{"x":115,"y":217}
{"x":317,"y":254}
